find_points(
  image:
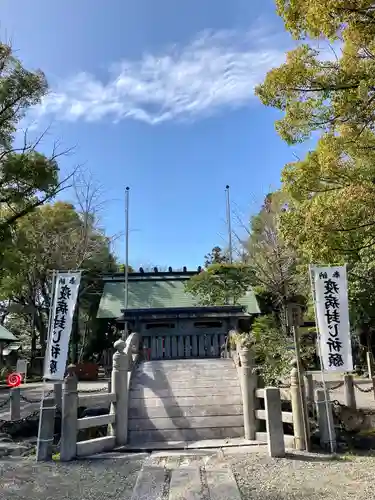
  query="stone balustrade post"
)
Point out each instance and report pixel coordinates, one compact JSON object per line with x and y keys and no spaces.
{"x":300,"y":420}
{"x":15,"y":403}
{"x":274,"y":422}
{"x":349,"y":391}
{"x":248,"y":379}
{"x":119,"y":428}
{"x":69,"y":417}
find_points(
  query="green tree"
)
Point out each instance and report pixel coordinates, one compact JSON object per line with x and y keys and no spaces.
{"x":336,"y":98}
{"x":27,"y":178}
{"x":331,"y":191}
{"x":272,"y":261}
{"x":216,"y":256}
{"x":220,"y":284}
{"x":316,"y":93}
{"x":121,"y":268}
{"x":55,"y":237}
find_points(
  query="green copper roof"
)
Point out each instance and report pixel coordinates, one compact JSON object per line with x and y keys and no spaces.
{"x":6,"y":335}
{"x":150,"y":294}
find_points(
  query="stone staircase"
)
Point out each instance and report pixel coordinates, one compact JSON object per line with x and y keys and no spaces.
{"x":196,"y":476}
{"x":179,"y":402}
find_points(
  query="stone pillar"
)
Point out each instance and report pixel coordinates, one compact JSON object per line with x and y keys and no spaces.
{"x":275,"y":431}
{"x":248,"y":379}
{"x":15,"y":403}
{"x":69,"y":426}
{"x":300,"y":421}
{"x":46,"y":430}
{"x":120,"y":387}
{"x":349,"y":391}
{"x":325,"y":421}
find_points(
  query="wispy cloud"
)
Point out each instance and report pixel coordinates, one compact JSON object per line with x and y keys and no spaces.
{"x":215,"y":71}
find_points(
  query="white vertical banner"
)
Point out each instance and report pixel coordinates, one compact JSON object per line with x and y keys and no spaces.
{"x":332,"y":311}
{"x":64,"y":302}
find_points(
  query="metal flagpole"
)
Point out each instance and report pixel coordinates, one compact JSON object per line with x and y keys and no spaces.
{"x":330,"y":430}
{"x":126,"y":270}
{"x":229,"y":222}
{"x":46,"y":357}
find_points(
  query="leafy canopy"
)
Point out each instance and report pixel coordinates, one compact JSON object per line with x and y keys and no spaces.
{"x":216,"y":256}
{"x":54,"y":237}
{"x":27,"y":178}
{"x":220,"y":284}
{"x":331,"y":191}
{"x":316,"y":92}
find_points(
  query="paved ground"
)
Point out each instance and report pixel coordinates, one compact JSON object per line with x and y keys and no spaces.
{"x":258,"y":477}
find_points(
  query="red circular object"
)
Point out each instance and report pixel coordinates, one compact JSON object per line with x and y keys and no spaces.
{"x":14,"y":379}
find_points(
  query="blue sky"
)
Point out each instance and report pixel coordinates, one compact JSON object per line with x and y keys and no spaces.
{"x":159,"y":96}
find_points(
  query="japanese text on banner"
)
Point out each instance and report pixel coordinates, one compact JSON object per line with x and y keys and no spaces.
{"x":332,"y":309}
{"x":65,"y":298}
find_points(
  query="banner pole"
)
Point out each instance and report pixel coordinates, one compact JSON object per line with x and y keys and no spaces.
{"x":300,"y":381}
{"x":46,"y":359}
{"x":326,"y":394}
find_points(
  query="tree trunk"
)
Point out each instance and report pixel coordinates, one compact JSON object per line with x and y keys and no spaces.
{"x":41,"y":327}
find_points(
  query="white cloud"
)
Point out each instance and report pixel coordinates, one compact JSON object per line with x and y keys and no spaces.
{"x":215,"y":71}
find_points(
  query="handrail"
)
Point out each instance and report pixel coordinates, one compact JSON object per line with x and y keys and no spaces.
{"x":132,"y":344}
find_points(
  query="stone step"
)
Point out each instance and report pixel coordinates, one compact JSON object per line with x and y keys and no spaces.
{"x":188,"y":434}
{"x":185,"y":483}
{"x":217,"y":421}
{"x":237,"y":445}
{"x":194,"y":373}
{"x":181,"y":367}
{"x":187,"y":361}
{"x":185,"y":411}
{"x":140,"y":382}
{"x":172,"y":459}
{"x":145,"y":392}
{"x":181,"y":364}
{"x":153,"y":402}
{"x":222,"y":485}
{"x":151,"y":484}
{"x":207,"y":366}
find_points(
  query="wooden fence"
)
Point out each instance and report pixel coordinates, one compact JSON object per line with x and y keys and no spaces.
{"x":204,"y":345}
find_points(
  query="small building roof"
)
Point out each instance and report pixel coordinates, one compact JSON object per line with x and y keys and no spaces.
{"x":155,"y":292}
{"x":6,"y":335}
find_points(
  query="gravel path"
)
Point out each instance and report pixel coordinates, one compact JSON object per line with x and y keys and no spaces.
{"x":85,"y":480}
{"x":302,"y":477}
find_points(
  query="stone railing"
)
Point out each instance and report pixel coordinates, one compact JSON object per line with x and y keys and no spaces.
{"x":116,"y":420}
{"x":272,"y":413}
